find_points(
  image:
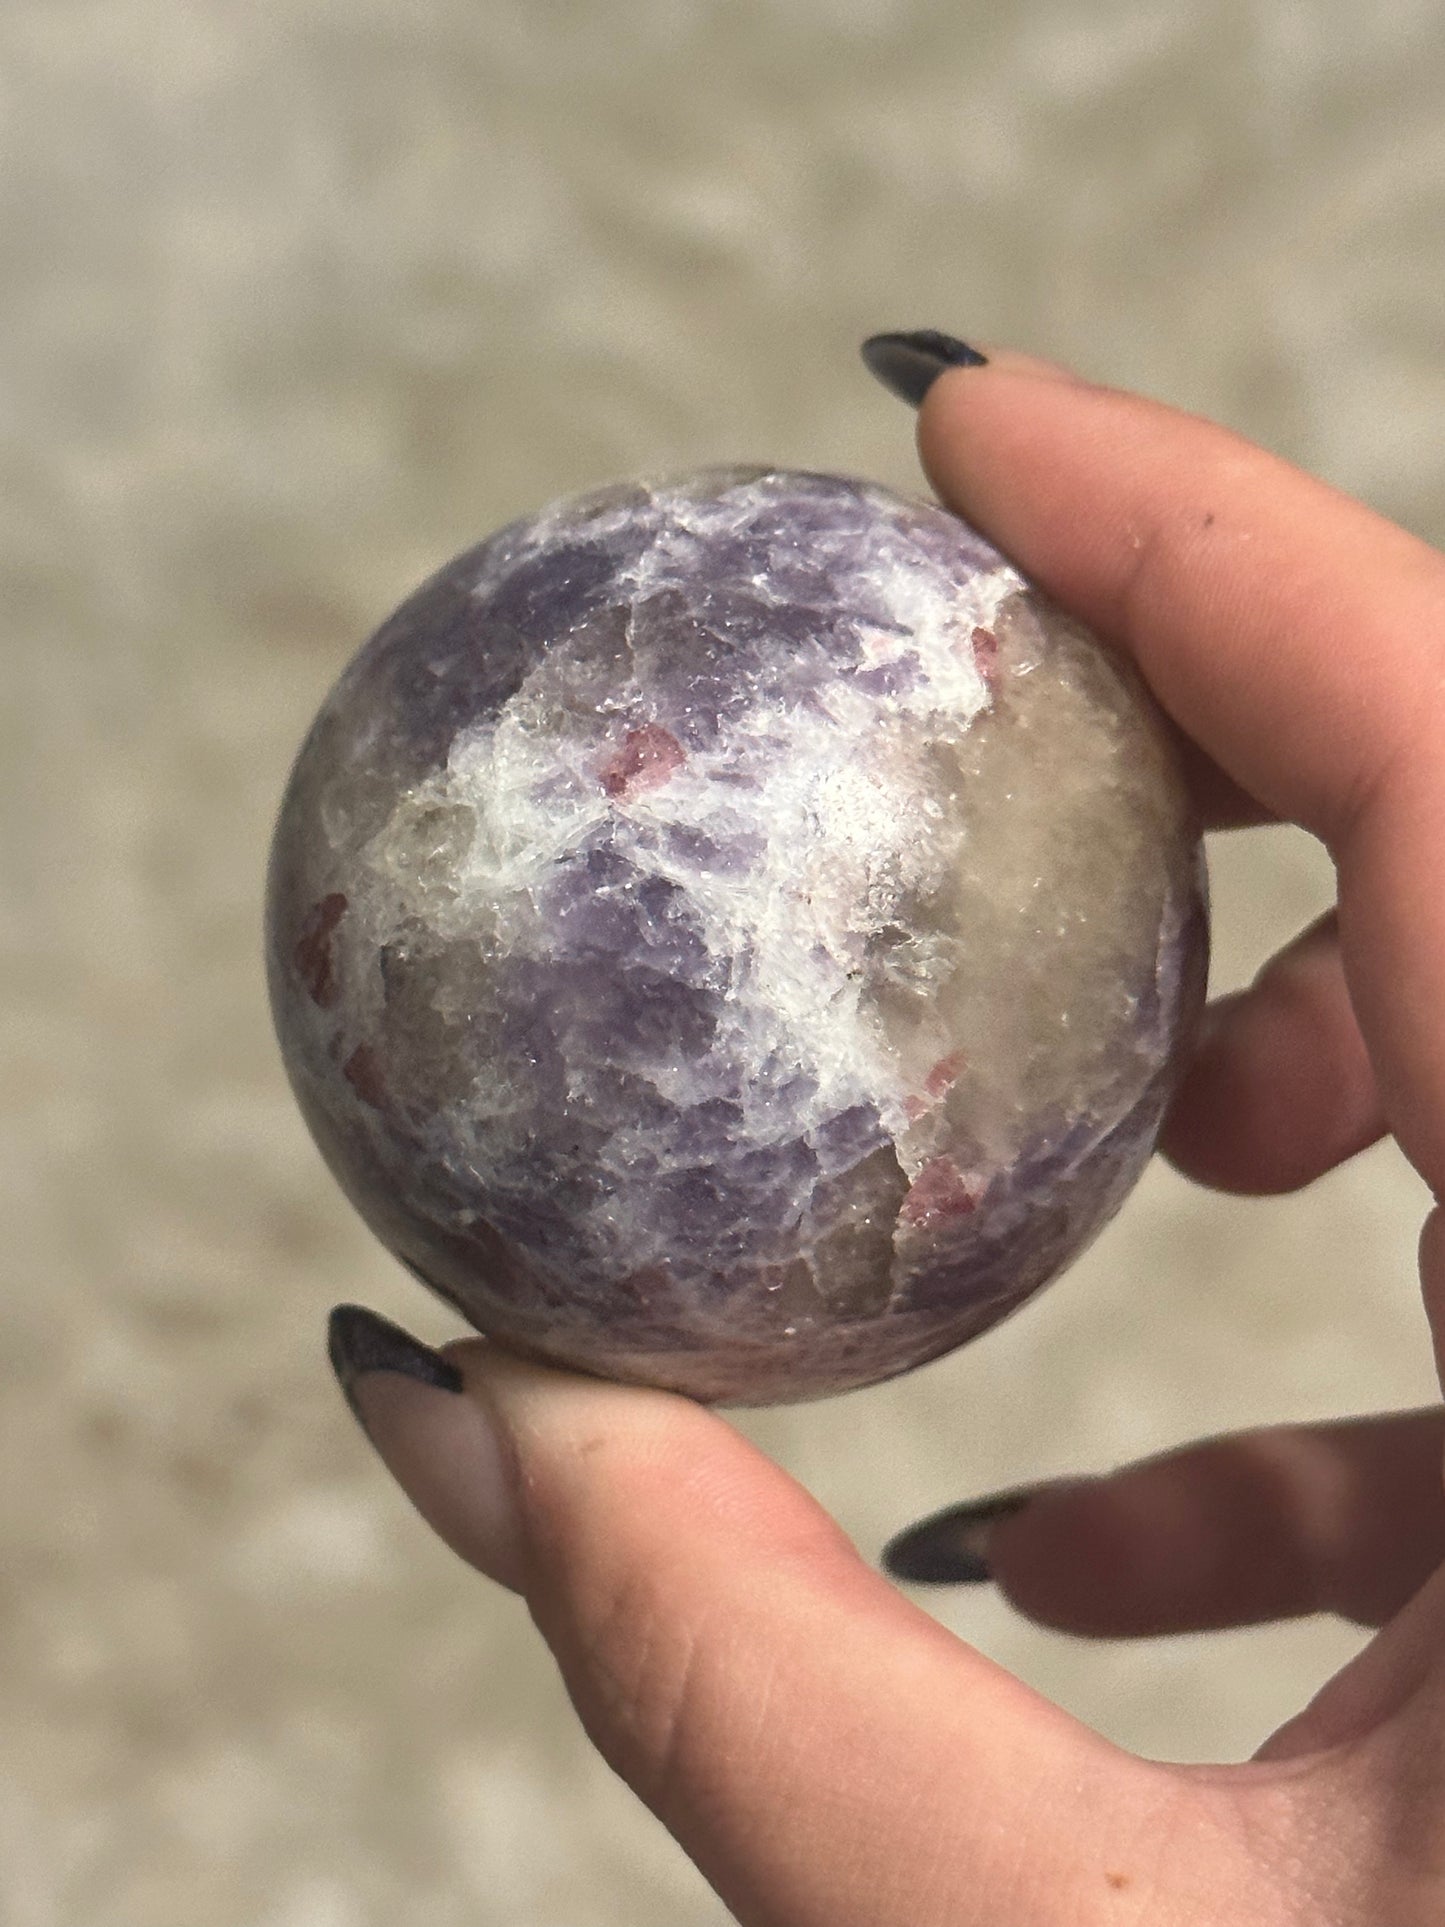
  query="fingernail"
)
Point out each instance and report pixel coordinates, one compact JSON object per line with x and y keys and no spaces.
{"x":359,"y":1341}
{"x":950,"y":1548}
{"x":435,"y":1439}
{"x":909,"y":364}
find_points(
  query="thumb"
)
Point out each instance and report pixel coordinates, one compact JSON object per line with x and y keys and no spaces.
{"x":824,"y":1751}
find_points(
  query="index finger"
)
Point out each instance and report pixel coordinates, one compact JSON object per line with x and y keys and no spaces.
{"x":1297,"y":637}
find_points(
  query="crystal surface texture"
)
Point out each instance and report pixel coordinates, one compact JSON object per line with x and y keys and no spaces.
{"x":731,"y":933}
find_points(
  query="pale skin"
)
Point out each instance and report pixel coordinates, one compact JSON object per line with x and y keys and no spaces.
{"x":825,"y":1751}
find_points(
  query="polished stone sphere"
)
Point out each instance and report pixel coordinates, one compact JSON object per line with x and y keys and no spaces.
{"x":731,"y":933}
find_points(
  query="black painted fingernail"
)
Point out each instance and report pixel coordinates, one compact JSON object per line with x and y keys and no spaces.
{"x":950,"y":1548}
{"x":358,"y":1341}
{"x":909,"y":364}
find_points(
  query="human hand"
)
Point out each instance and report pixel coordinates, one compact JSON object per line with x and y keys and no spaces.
{"x":828,"y":1754}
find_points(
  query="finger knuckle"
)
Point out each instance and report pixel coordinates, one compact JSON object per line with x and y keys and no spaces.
{"x":645,"y":1666}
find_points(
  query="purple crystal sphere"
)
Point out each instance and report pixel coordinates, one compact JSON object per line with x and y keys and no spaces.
{"x":731,"y":933}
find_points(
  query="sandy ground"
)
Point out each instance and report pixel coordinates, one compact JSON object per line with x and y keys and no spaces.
{"x":299,"y":296}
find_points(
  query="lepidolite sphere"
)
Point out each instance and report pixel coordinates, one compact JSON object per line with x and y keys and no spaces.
{"x":731,"y":933}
